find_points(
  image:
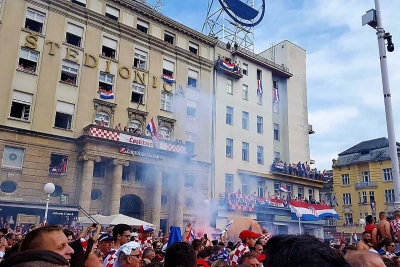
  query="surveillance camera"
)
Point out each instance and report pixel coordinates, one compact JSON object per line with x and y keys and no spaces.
{"x":390,"y":47}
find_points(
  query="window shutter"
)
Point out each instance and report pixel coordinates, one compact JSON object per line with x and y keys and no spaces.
{"x":168,"y":65}
{"x":193,"y":74}
{"x":70,"y":64}
{"x":110,"y":43}
{"x":191,"y":104}
{"x":74,"y":29}
{"x":196,"y":46}
{"x":112,"y":11}
{"x":22,"y":97}
{"x":141,"y":53}
{"x":64,"y":107}
{"x":143,"y":23}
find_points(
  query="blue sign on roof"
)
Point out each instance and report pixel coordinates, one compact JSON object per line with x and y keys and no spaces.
{"x":242,"y":13}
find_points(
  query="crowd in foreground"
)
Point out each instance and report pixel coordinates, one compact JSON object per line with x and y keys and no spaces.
{"x":122,"y":246}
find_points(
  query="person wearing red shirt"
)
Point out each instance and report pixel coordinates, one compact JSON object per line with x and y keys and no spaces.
{"x":248,"y":241}
{"x":371,"y":228}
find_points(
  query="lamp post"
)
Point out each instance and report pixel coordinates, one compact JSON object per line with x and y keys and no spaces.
{"x":362,"y":222}
{"x":299,"y":215}
{"x":48,"y":189}
{"x":374,"y":19}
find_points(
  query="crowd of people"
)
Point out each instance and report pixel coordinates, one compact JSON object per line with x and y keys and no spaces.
{"x":299,"y":169}
{"x":122,"y":246}
{"x":24,"y":68}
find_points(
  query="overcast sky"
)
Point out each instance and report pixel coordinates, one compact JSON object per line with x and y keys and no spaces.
{"x":345,"y":100}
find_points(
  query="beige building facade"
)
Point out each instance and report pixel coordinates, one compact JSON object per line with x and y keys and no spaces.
{"x":81,"y":80}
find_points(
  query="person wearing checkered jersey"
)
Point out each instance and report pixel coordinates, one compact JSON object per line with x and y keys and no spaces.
{"x":248,"y":241}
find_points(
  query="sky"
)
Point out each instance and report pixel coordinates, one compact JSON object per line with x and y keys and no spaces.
{"x":345,"y":99}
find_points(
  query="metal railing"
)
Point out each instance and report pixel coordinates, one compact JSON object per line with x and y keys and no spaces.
{"x":360,"y":185}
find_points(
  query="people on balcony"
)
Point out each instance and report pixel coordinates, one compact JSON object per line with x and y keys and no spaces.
{"x":227,"y":64}
{"x":299,"y":169}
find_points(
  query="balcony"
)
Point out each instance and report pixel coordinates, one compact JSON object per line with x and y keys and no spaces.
{"x":362,"y":185}
{"x":299,"y":170}
{"x":228,"y":67}
{"x":310,"y":129}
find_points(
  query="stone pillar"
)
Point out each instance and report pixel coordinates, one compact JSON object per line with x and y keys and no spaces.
{"x":86,"y":184}
{"x":179,"y":200}
{"x":115,"y":186}
{"x":156,"y":198}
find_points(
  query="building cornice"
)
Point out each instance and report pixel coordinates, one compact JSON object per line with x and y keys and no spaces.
{"x":36,"y":133}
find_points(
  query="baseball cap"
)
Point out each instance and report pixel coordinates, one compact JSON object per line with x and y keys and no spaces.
{"x":105,"y":237}
{"x":248,"y":234}
{"x":146,"y":228}
{"x":134,"y":234}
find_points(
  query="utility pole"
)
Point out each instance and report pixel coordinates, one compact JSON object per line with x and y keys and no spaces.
{"x":374,"y":19}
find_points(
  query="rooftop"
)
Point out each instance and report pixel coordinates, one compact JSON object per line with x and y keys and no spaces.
{"x":366,"y":146}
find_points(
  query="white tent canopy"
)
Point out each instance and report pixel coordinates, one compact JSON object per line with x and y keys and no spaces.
{"x":114,"y":220}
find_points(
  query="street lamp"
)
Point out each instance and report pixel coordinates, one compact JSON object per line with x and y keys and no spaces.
{"x":299,"y":215}
{"x":48,"y":189}
{"x":362,"y":222}
{"x":374,"y":19}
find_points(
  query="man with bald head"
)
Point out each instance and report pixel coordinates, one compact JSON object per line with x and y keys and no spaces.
{"x":383,"y":227}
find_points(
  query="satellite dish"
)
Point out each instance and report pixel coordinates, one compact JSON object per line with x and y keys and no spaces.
{"x":242,"y":13}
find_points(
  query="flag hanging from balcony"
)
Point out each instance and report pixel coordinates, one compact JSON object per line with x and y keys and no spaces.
{"x":259,"y":87}
{"x":373,"y":205}
{"x":106,"y":94}
{"x":355,"y":239}
{"x":151,"y":127}
{"x":276,"y":95}
{"x":168,"y":79}
{"x":283,"y":189}
{"x":228,"y":65}
{"x":312,"y":212}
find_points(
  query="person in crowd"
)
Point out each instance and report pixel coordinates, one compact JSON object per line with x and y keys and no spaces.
{"x":395,"y":228}
{"x":365,"y":242}
{"x":10,"y":239}
{"x":165,"y":240}
{"x":148,"y":255}
{"x":180,"y":254}
{"x":69,"y":234}
{"x":371,"y":228}
{"x":197,"y":245}
{"x":109,"y":230}
{"x":36,"y":258}
{"x":128,"y":255}
{"x":86,"y":254}
{"x":32,"y":227}
{"x":383,"y":227}
{"x":121,"y":235}
{"x":18,"y":237}
{"x":145,"y":238}
{"x":118,"y":127}
{"x":390,"y":247}
{"x":203,"y":255}
{"x":250,"y":259}
{"x":258,"y":248}
{"x":202,"y":263}
{"x":248,"y":241}
{"x":219,"y":263}
{"x":49,"y":237}
{"x":105,"y":243}
{"x":301,"y":250}
{"x":363,"y":258}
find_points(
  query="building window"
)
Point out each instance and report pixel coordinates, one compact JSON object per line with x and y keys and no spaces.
{"x":74,"y":34}
{"x":260,"y":155}
{"x":21,"y":105}
{"x":345,"y":179}
{"x":137,"y":95}
{"x":229,"y":115}
{"x":260,"y":188}
{"x":142,"y":26}
{"x":275,"y":84}
{"x":164,"y":133}
{"x":168,"y":68}
{"x":276,"y":131}
{"x":289,"y":188}
{"x":245,"y":120}
{"x":245,"y":69}
{"x":79,"y":2}
{"x":387,"y":174}
{"x":190,"y":142}
{"x":245,"y":151}
{"x":106,"y":84}
{"x":102,"y":119}
{"x":69,"y":72}
{"x":34,"y":20}
{"x":389,"y":195}
{"x":194,"y":48}
{"x":95,"y":194}
{"x":58,"y":164}
{"x":139,"y":175}
{"x":135,"y":125}
{"x":277,"y":187}
{"x":259,"y":99}
{"x":275,"y":107}
{"x":167,"y":101}
{"x":229,"y":86}
{"x":126,"y":171}
{"x":112,"y":12}
{"x":190,"y":180}
{"x":277,"y":155}
{"x":109,"y":48}
{"x":310,"y":194}
{"x":8,"y":187}
{"x":300,"y":192}
{"x":346,"y":199}
{"x":13,"y":157}
{"x":260,"y":124}
{"x":348,"y":217}
{"x":100,"y":170}
{"x":371,"y":196}
{"x":140,"y":59}
{"x":229,"y":148}
{"x":364,"y":197}
{"x":245,"y":186}
{"x":64,"y":115}
{"x":191,"y":110}
{"x":28,"y":60}
{"x":169,"y":37}
{"x":245,"y":93}
{"x":193,"y":77}
{"x":228,"y":182}
{"x":365,"y":177}
{"x":259,"y":74}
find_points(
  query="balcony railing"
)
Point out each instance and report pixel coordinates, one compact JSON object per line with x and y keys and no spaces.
{"x":251,"y":203}
{"x":226,"y":66}
{"x":361,"y":185}
{"x":302,"y":171}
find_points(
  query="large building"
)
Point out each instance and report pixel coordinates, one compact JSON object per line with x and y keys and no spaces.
{"x":80,"y":80}
{"x":363,"y":183}
{"x":261,"y":122}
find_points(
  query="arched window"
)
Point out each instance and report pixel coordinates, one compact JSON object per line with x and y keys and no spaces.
{"x":135,"y":125}
{"x":102,"y":119}
{"x":164,"y":133}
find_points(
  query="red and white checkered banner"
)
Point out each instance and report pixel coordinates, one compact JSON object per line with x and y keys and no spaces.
{"x":134,"y":140}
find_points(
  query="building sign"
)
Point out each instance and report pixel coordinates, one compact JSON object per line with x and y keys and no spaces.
{"x":11,"y":198}
{"x":64,"y":198}
{"x":242,"y":13}
{"x":139,"y":153}
{"x":63,"y":213}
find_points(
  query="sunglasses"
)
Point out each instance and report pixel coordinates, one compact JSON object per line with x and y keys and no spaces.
{"x":137,"y":256}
